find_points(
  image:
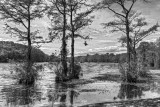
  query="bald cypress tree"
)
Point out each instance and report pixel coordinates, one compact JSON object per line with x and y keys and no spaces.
{"x":57,"y":12}
{"x":19,"y":15}
{"x":79,"y":15}
{"x":123,"y":13}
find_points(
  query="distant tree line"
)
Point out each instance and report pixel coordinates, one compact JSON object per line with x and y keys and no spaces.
{"x":149,"y":52}
{"x":17,"y":52}
{"x":108,"y":57}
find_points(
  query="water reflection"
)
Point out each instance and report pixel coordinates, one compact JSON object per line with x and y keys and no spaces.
{"x":130,"y":91}
{"x":62,"y":95}
{"x":20,"y":95}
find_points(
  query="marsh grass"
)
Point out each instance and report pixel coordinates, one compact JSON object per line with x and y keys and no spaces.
{"x":21,"y":94}
{"x":143,"y":72}
{"x":27,"y":76}
{"x":136,"y":72}
{"x":61,"y":77}
{"x":77,"y":71}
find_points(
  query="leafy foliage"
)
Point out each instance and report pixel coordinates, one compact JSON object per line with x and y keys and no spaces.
{"x":130,"y":23}
{"x":20,"y":12}
{"x":24,"y":77}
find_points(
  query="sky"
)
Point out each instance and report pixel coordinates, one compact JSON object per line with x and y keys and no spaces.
{"x":102,"y":41}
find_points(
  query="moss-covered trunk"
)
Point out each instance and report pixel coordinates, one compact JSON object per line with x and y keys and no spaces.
{"x":64,"y":44}
{"x":72,"y":42}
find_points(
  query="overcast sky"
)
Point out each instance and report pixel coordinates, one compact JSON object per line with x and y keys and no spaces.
{"x":102,"y":41}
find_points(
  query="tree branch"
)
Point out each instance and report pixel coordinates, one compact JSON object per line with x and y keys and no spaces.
{"x":133,"y":1}
{"x":58,"y":8}
{"x":116,"y":12}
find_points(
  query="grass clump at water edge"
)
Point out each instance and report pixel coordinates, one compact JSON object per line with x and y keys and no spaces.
{"x":27,"y":74}
{"x":61,"y":77}
{"x":135,"y":74}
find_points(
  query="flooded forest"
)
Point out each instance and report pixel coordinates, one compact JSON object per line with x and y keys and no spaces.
{"x":79,"y":53}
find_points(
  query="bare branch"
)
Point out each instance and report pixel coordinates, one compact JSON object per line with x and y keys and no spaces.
{"x":116,"y":12}
{"x":133,"y":2}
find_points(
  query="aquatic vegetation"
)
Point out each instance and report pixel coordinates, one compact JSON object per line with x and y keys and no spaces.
{"x":127,"y":75}
{"x":59,"y":74}
{"x":61,"y":77}
{"x":137,"y":71}
{"x":25,"y":75}
{"x":106,"y":88}
{"x":77,"y":70}
{"x":21,"y":95}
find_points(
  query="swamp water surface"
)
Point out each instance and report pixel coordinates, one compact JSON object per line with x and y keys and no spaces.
{"x":90,"y":91}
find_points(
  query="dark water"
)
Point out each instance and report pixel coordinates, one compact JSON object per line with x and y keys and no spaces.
{"x":47,"y":93}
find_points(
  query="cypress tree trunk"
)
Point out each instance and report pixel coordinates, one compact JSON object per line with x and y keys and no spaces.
{"x":136,"y":68}
{"x":72,"y":57}
{"x":29,"y":42}
{"x":64,"y":45}
{"x":29,"y":78}
{"x":72,"y":44}
{"x":128,"y":49}
{"x":134,"y":56}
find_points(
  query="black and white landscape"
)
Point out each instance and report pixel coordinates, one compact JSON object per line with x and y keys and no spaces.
{"x":79,"y":53}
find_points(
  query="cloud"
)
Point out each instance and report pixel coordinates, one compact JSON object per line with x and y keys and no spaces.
{"x":151,"y":40}
{"x":95,"y":31}
{"x":104,"y":41}
{"x":45,"y":24}
{"x":4,"y":39}
{"x":103,"y":50}
{"x":157,"y":33}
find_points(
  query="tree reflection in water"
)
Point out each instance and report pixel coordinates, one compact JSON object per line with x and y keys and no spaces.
{"x":21,"y":95}
{"x":130,"y":91}
{"x":62,"y":95}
